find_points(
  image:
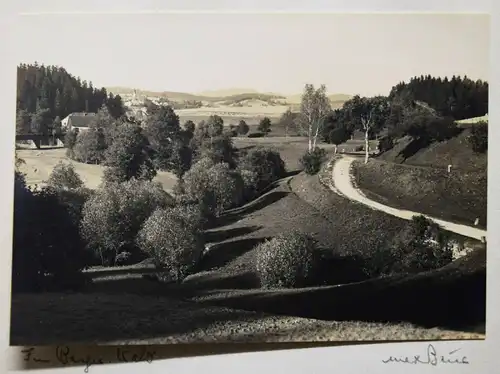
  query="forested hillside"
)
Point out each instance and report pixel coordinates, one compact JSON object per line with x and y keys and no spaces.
{"x":47,"y":92}
{"x":456,"y":97}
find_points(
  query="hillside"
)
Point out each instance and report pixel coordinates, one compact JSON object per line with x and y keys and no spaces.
{"x":455,"y":151}
{"x":415,"y":176}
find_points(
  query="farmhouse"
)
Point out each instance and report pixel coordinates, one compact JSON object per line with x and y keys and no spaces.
{"x":80,"y":121}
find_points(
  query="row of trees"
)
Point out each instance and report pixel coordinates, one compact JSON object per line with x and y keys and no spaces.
{"x":425,"y":108}
{"x":46,"y":94}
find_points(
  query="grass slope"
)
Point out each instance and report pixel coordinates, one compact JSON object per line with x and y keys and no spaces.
{"x":459,"y":196}
{"x":455,"y":151}
{"x":453,"y":296}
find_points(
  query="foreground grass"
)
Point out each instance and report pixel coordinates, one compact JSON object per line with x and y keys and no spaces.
{"x":51,"y":319}
{"x":459,"y":196}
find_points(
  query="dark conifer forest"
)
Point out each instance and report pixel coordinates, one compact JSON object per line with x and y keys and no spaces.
{"x":457,"y":97}
{"x":45,"y":93}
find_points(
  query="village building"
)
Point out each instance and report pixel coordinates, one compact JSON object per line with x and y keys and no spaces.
{"x":80,"y":121}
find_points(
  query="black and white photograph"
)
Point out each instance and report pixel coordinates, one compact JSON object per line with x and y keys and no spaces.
{"x":250,"y":177}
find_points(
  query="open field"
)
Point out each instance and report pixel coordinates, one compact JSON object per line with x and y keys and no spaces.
{"x":458,"y":196}
{"x":39,"y":163}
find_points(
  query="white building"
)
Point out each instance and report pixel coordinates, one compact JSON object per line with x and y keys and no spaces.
{"x":80,"y":121}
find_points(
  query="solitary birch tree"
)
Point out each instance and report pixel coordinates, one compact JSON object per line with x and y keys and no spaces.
{"x":369,"y":115}
{"x":314,"y":108}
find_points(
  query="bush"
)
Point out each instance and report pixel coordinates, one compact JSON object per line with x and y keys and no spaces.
{"x":64,"y":176}
{"x":338,"y":136}
{"x":423,"y":245}
{"x":311,"y":161}
{"x":46,"y":242}
{"x":129,"y":155}
{"x":286,"y":261}
{"x":214,"y":186}
{"x":114,"y":214}
{"x":219,"y":149}
{"x":250,"y":182}
{"x":74,"y":200}
{"x":479,"y":137}
{"x":242,"y":128}
{"x":263,"y":166}
{"x":70,"y":139}
{"x":264,"y":125}
{"x":256,"y":135}
{"x":90,"y":146}
{"x":385,"y":143}
{"x":173,"y":238}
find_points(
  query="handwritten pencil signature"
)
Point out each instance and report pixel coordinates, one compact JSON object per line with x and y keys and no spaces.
{"x":64,"y":356}
{"x":431,"y":358}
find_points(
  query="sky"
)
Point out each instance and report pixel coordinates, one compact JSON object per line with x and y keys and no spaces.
{"x":362,"y":54}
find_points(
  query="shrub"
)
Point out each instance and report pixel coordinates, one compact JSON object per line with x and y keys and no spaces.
{"x":64,"y":176}
{"x":90,"y":146}
{"x":74,"y":200}
{"x":264,"y":166}
{"x":46,"y":242}
{"x":70,"y":139}
{"x":286,"y":260}
{"x":219,"y":149}
{"x":243,"y":128}
{"x":189,"y":126}
{"x":264,"y":125}
{"x":256,"y":135}
{"x":479,"y":137}
{"x":421,"y":246}
{"x":311,"y":161}
{"x":250,"y":180}
{"x":114,"y":214}
{"x":385,"y":143}
{"x":129,"y":155}
{"x":214,"y":185}
{"x":338,"y":136}
{"x":173,"y":238}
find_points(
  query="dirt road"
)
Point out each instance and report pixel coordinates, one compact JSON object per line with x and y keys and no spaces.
{"x":40,"y":162}
{"x":342,"y":181}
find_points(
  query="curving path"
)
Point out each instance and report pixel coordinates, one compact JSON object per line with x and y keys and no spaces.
{"x":342,"y":183}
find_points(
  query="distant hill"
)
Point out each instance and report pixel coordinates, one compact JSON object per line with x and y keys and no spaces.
{"x":232,"y":95}
{"x":227,"y":92}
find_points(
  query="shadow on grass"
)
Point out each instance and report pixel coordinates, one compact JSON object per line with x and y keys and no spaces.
{"x":223,"y":253}
{"x":221,"y":235}
{"x":452,"y":297}
{"x":259,"y":203}
{"x":52,"y":319}
{"x":214,"y":281}
{"x":117,"y":271}
{"x":332,"y":270}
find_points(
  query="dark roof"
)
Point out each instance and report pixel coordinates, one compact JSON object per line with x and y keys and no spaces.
{"x":80,"y":120}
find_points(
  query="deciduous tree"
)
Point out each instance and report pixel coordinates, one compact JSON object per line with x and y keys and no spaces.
{"x":314,"y":108}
